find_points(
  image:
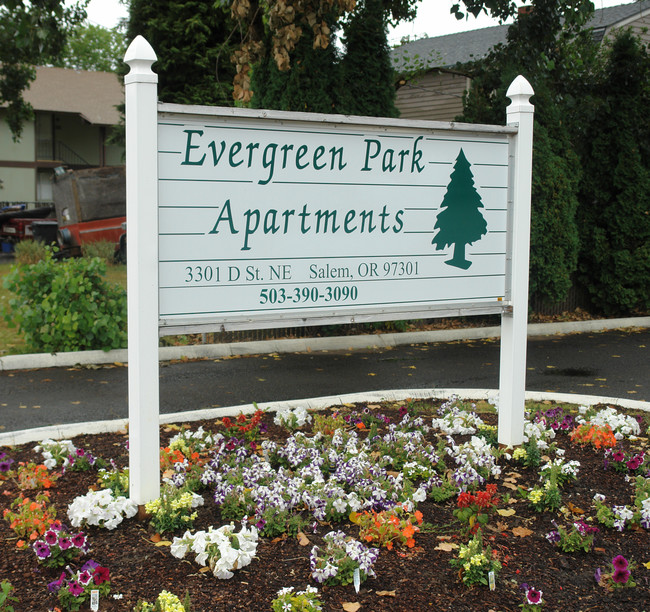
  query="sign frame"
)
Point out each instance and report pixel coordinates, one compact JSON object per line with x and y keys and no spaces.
{"x":143,"y":281}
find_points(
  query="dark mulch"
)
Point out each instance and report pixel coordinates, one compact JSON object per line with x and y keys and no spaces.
{"x":420,"y":579}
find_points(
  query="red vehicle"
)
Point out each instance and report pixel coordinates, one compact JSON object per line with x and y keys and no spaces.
{"x":19,"y":223}
{"x":90,"y":206}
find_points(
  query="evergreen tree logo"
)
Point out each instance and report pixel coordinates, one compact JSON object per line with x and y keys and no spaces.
{"x":460,"y":222}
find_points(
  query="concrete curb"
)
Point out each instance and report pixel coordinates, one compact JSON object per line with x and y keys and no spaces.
{"x":299,"y":345}
{"x":58,"y":432}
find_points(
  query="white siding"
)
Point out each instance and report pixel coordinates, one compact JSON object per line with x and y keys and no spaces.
{"x":641,"y":27}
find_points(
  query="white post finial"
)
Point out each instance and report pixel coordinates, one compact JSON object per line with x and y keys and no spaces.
{"x":140,"y":56}
{"x":512,"y":369}
{"x":141,"y":94}
{"x":519,"y":92}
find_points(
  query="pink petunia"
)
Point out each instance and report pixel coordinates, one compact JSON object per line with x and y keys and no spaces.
{"x":75,"y":588}
{"x":534,"y":596}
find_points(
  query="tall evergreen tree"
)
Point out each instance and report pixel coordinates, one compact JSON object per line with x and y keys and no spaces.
{"x":615,"y":210}
{"x":310,"y":85}
{"x":552,"y":50}
{"x":190,"y":40}
{"x":367,"y":79}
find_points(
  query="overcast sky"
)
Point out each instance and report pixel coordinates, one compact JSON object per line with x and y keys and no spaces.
{"x":433,"y":18}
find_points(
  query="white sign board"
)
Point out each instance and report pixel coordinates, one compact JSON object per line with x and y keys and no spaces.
{"x":273,"y":218}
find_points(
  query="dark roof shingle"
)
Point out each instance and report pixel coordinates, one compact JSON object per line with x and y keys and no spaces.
{"x":462,"y":47}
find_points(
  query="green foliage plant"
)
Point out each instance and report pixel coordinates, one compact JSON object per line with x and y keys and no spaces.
{"x":578,"y":537}
{"x":66,"y":306}
{"x":29,"y":251}
{"x":165,"y":602}
{"x":103,"y":249}
{"x":328,"y":424}
{"x":475,"y":562}
{"x":300,"y":601}
{"x":546,"y":497}
{"x":172,"y":510}
{"x":6,"y":597}
{"x":115,"y":480}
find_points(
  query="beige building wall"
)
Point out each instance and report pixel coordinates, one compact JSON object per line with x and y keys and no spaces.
{"x":640,"y":27}
{"x":23,"y":150}
{"x":436,"y":95}
{"x":18,"y":184}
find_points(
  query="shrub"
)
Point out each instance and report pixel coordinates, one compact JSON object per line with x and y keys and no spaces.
{"x":66,"y":306}
{"x":29,"y":251}
{"x":103,"y":249}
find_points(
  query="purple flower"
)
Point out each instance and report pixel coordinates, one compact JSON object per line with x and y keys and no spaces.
{"x":55,"y":585}
{"x":80,"y":452}
{"x":533,"y":596}
{"x":85,"y":577}
{"x":5,"y":463}
{"x":553,"y":536}
{"x":633,"y":463}
{"x":402,"y":411}
{"x":89,"y":565}
{"x":598,"y":575}
{"x":51,"y":537}
{"x":618,"y":456}
{"x":42,"y":550}
{"x":619,"y":562}
{"x":75,"y":588}
{"x":621,"y":576}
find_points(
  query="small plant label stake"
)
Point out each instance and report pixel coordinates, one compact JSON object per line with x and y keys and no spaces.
{"x":491,"y":581}
{"x":357,"y":579}
{"x":94,"y":600}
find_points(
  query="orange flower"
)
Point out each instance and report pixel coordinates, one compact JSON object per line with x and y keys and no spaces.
{"x":418,"y":517}
{"x":360,"y":426}
{"x":21,"y":544}
{"x":389,"y":546}
{"x":408,"y":530}
{"x":410,"y":543}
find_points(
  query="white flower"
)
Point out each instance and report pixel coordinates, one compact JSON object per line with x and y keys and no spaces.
{"x":100,"y":508}
{"x":420,"y":495}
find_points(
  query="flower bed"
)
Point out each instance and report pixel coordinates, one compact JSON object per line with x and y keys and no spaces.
{"x":383,"y":507}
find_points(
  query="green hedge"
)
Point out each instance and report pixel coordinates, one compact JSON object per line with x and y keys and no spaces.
{"x":66,"y":305}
